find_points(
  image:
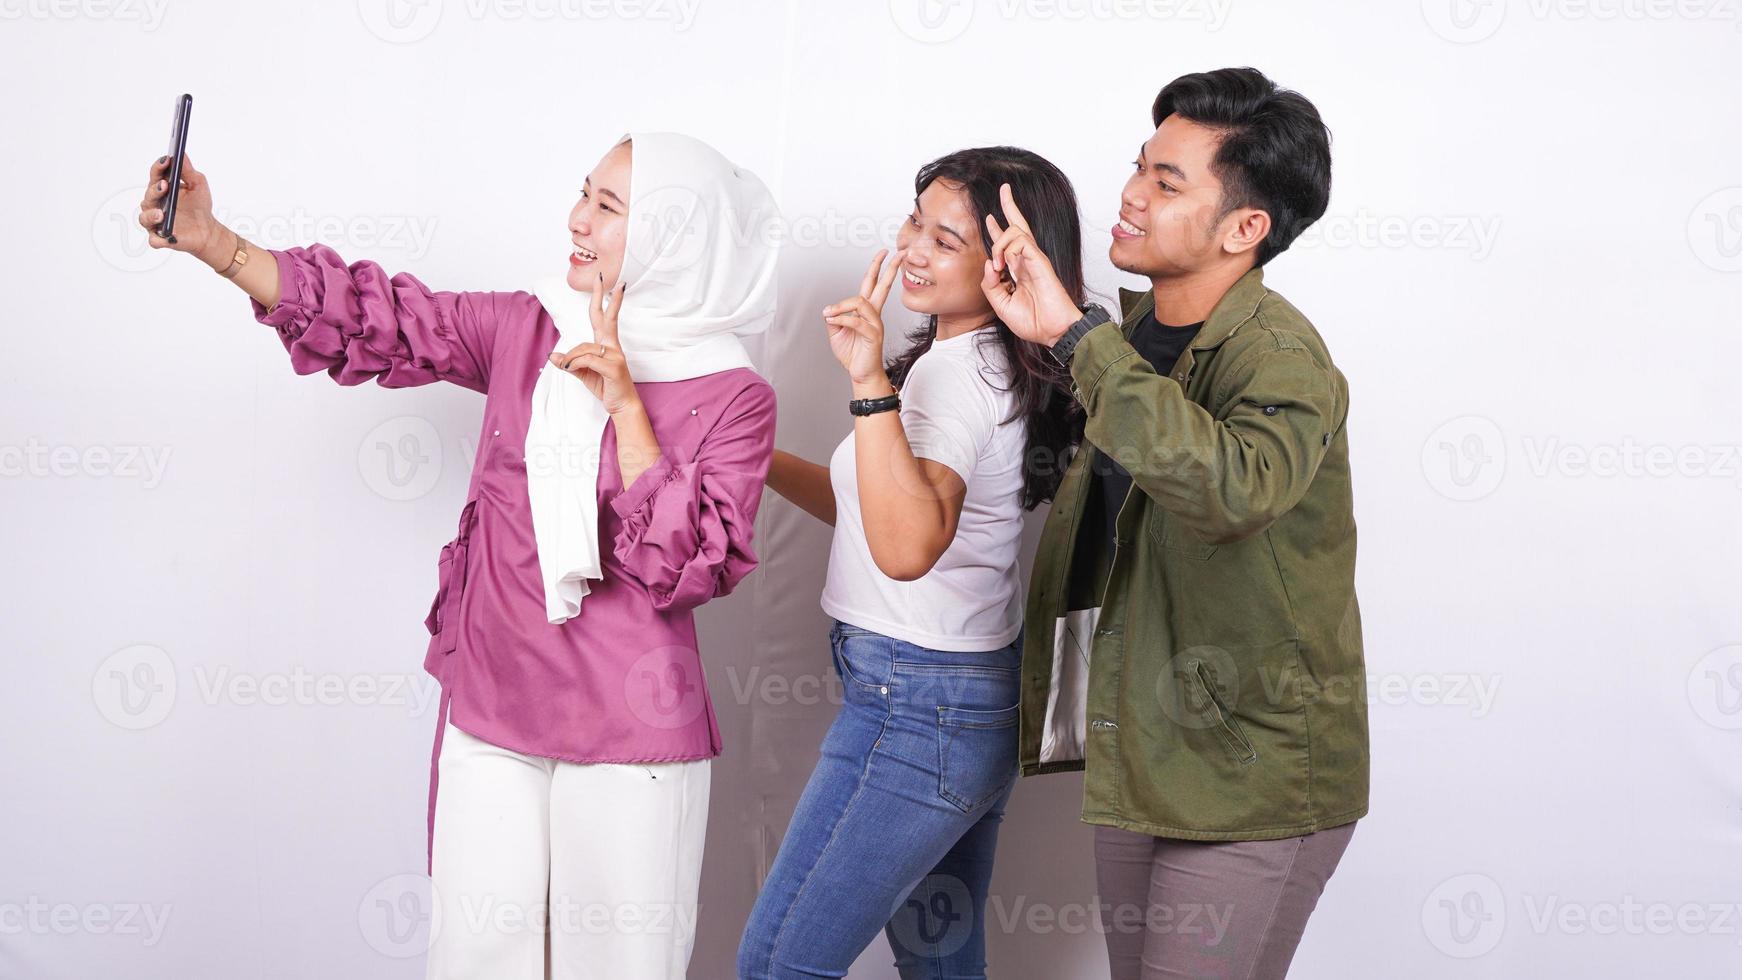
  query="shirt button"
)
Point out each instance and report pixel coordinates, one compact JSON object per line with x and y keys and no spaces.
{"x":884,"y":689}
{"x":692,"y":411}
{"x":497,"y":432}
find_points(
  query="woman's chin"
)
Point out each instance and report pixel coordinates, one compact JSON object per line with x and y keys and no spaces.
{"x":582,"y":278}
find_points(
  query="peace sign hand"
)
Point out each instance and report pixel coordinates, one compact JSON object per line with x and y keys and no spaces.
{"x":1035,"y":306}
{"x":856,"y":323}
{"x":601,"y":365}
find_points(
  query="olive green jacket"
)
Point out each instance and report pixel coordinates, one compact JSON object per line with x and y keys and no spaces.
{"x":1207,"y":674}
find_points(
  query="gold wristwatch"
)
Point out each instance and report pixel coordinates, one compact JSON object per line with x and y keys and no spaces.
{"x":237,"y":261}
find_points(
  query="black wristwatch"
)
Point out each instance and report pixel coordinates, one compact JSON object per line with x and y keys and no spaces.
{"x":1093,"y":316}
{"x":871,"y":406}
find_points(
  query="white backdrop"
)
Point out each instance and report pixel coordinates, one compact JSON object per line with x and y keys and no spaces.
{"x":216,"y":730}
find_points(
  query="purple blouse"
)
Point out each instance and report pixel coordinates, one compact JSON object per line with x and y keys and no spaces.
{"x":622,"y":681}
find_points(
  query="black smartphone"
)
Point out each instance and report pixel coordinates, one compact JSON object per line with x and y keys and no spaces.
{"x":178,"y":144}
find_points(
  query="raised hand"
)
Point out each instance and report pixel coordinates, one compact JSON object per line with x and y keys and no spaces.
{"x":1035,"y":306}
{"x":856,"y":323}
{"x":601,"y":365}
{"x":196,"y":231}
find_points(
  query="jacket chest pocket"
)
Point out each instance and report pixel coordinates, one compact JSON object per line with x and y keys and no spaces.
{"x":1168,"y":533}
{"x":451,"y":584}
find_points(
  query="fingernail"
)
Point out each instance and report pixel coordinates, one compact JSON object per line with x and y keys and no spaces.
{"x":163,"y":158}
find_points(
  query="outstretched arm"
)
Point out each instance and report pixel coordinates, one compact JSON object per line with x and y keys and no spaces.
{"x":804,"y":483}
{"x":352,"y":320}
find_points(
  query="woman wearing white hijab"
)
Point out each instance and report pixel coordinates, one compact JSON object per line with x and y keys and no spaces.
{"x":624,"y":446}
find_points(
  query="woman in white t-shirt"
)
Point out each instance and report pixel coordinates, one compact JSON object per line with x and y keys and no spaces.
{"x":952,"y":441}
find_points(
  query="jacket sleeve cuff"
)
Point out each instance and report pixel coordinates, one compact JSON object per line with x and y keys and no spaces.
{"x":1099,"y":350}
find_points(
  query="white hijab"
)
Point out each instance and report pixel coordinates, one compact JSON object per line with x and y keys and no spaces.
{"x":700,"y":265}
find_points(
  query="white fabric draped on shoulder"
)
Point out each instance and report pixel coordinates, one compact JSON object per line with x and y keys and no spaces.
{"x":699,"y":262}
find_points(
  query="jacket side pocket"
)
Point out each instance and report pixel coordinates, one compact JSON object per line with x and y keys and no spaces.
{"x":1227,"y":725}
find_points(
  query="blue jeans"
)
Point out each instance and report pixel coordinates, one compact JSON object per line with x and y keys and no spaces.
{"x":897,"y":827}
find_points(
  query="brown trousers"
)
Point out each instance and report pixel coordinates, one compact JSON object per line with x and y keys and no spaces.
{"x":1209,"y":910}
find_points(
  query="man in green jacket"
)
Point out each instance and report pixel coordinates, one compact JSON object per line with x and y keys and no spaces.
{"x":1193,"y":641}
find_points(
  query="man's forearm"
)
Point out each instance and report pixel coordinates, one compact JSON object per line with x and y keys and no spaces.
{"x":1226,"y":476}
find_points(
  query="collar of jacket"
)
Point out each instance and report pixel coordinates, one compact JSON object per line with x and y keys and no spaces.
{"x":1235,"y":307}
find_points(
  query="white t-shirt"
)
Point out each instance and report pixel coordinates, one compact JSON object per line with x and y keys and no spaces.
{"x":953,"y":406}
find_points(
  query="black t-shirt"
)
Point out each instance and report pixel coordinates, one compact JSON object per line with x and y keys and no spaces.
{"x":1161,"y":346}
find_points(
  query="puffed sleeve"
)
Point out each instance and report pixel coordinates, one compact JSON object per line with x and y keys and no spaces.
{"x":356,"y":323}
{"x":688,"y":526}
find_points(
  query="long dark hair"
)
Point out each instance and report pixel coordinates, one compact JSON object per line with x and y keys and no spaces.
{"x":1042,"y":387}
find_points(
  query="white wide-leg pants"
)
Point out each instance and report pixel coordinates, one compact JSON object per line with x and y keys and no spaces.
{"x":551,"y":870}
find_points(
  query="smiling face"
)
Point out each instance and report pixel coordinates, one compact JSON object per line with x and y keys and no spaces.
{"x":1170,"y":220}
{"x":945,"y":257}
{"x":599,"y":223}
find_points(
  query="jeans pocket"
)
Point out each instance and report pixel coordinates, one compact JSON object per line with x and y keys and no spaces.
{"x":847,"y":644}
{"x":976,"y":753}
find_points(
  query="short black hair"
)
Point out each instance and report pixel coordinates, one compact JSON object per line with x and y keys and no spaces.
{"x":1275,"y":152}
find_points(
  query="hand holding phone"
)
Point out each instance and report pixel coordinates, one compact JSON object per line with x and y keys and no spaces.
{"x":178,"y":146}
{"x":177,"y":210}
